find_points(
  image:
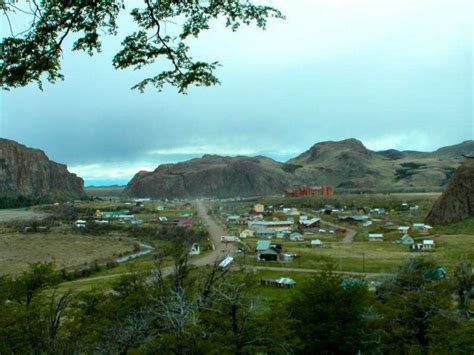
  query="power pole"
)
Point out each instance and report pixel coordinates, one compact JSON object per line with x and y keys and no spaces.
{"x":363,"y":262}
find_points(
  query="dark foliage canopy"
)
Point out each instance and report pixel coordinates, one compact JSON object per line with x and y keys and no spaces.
{"x":36,"y":52}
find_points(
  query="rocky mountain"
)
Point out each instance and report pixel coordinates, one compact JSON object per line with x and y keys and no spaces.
{"x":211,"y":175}
{"x":457,"y":201}
{"x":345,"y":164}
{"x":28,"y":172}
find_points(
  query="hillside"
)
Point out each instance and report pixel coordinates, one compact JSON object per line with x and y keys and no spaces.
{"x":345,"y":164}
{"x":29,"y":173}
{"x":457,"y":201}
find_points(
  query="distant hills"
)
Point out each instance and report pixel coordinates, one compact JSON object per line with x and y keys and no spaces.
{"x":29,"y":173}
{"x":345,"y":164}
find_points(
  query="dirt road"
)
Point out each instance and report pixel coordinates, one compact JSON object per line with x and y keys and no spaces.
{"x":215,"y":232}
{"x":216,"y":255}
{"x":350,"y":233}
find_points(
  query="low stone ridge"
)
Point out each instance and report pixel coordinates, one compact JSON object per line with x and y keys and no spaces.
{"x":457,"y":201}
{"x":28,"y":172}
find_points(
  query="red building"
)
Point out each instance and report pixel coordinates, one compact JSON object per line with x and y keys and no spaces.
{"x":310,"y":191}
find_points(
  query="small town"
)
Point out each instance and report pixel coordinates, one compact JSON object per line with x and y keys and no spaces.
{"x":246,"y":177}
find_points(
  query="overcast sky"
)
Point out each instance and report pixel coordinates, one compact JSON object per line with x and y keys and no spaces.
{"x":392,"y":73}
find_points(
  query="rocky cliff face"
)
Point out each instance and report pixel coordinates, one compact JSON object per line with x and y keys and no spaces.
{"x":212,"y":176}
{"x":346,"y":164}
{"x":457,"y":201}
{"x":28,"y":172}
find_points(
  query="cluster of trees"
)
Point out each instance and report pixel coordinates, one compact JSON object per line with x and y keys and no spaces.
{"x":202,"y":311}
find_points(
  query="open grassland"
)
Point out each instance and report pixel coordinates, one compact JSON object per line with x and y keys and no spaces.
{"x":21,"y":214}
{"x":376,"y":257}
{"x":18,"y":250}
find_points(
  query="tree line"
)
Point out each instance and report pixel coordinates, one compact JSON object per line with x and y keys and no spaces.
{"x":211,"y":310}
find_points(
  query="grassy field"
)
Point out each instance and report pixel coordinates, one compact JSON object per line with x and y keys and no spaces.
{"x":18,"y":250}
{"x":376,"y":257}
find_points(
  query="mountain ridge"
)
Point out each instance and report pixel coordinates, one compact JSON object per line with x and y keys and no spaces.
{"x":345,"y":164}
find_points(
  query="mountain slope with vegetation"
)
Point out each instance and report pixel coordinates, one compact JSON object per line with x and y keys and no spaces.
{"x":345,"y":164}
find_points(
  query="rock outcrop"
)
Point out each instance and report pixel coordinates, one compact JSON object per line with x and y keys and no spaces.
{"x":457,"y":201}
{"x":345,"y":164}
{"x":28,"y":172}
{"x":211,"y":176}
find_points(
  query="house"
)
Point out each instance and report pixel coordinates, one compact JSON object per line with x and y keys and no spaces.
{"x":186,"y":222}
{"x":254,"y":225}
{"x":195,"y":249}
{"x":229,"y":239}
{"x":233,"y":219}
{"x":296,"y":237}
{"x":428,"y":244}
{"x":283,"y":282}
{"x":422,"y":228}
{"x":265,"y":233}
{"x":407,"y":240}
{"x":263,"y":245}
{"x":310,"y":223}
{"x":163,"y":219}
{"x":280,"y":235}
{"x":310,"y":191}
{"x":287,"y":256}
{"x":272,"y":252}
{"x":315,"y":243}
{"x":378,"y":211}
{"x":354,"y":219}
{"x":226,"y":262}
{"x":80,"y":223}
{"x":290,"y":211}
{"x":403,"y":229}
{"x":375,"y":237}
{"x":259,"y":208}
{"x":247,"y":233}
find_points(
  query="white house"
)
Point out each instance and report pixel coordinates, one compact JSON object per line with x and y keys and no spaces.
{"x":428,"y":244}
{"x":316,"y":243}
{"x":227,"y":262}
{"x":375,"y":237}
{"x":80,"y":223}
